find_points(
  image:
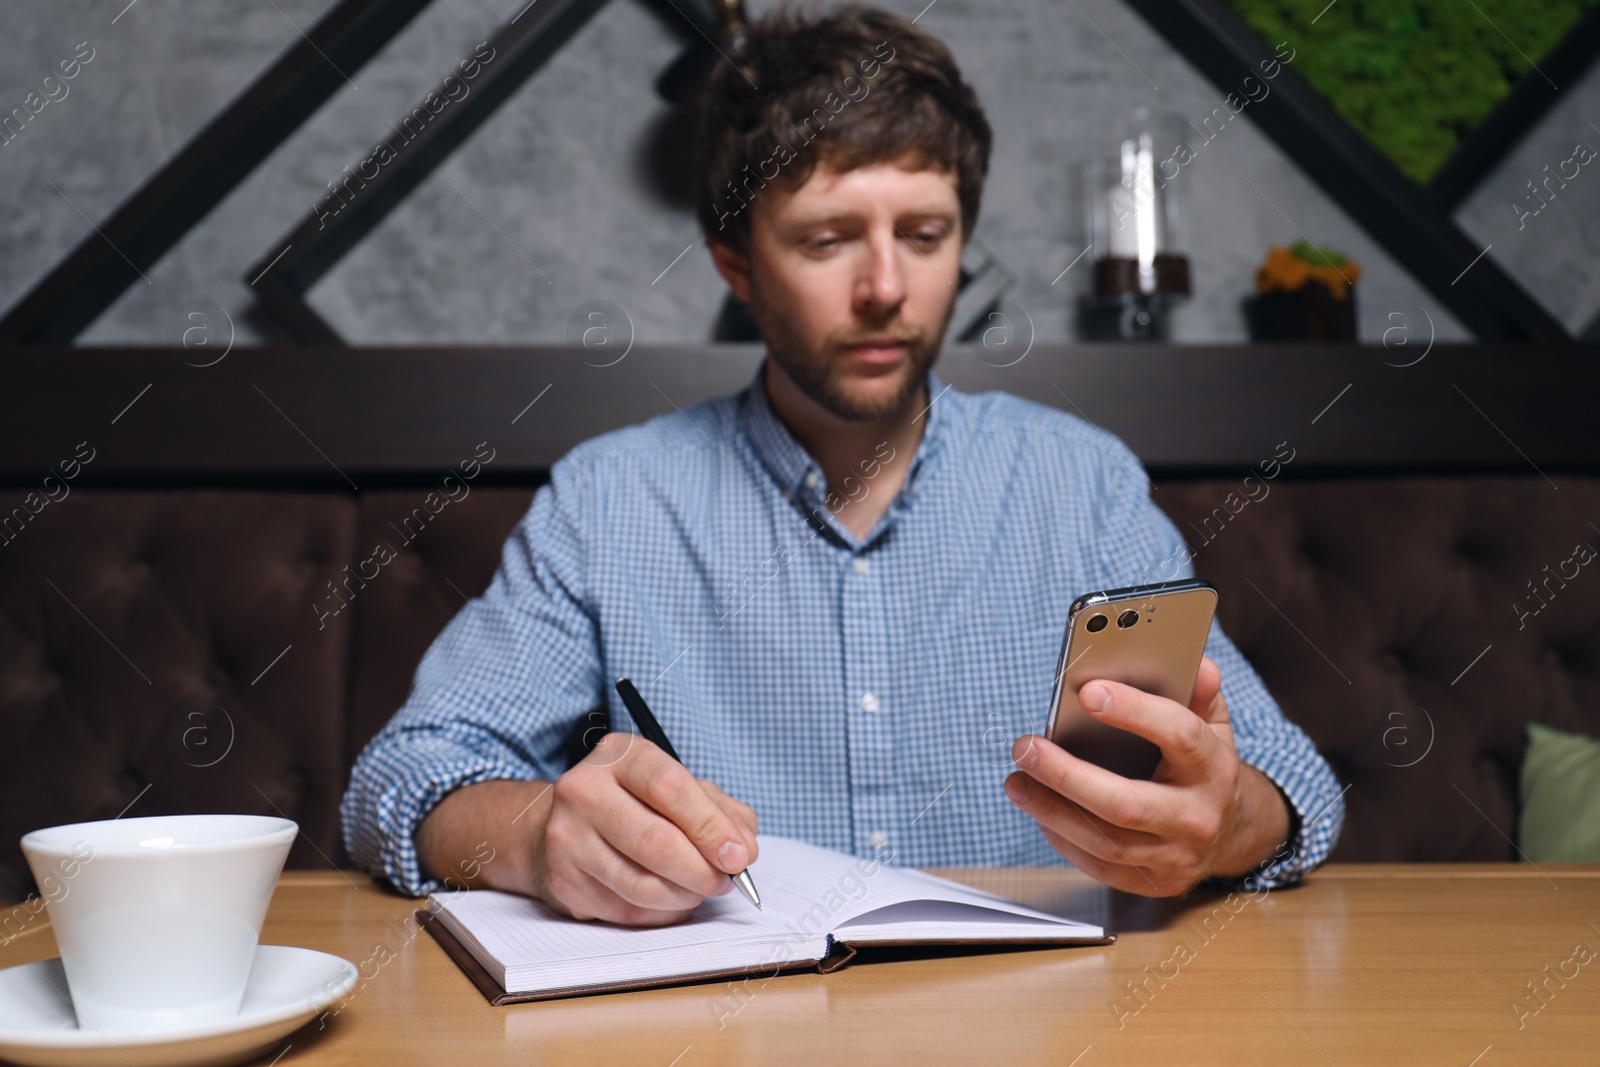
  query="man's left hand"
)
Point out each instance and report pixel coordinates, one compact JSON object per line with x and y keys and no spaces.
{"x":1203,"y":812}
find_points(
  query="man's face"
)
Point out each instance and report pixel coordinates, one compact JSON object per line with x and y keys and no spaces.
{"x":868,"y":255}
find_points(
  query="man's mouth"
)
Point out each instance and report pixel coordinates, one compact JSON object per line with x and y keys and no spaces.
{"x":880,"y":350}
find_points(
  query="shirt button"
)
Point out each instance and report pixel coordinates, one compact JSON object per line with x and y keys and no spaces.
{"x":811,"y":479}
{"x":869,"y":702}
{"x":860,"y":565}
{"x":878,"y":840}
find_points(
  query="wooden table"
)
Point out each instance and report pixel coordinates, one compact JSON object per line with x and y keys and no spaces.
{"x":1361,"y":964}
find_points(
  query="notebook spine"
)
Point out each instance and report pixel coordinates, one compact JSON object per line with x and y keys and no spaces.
{"x":839,"y":954}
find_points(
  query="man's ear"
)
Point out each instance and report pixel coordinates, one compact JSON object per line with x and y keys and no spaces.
{"x":734,"y":266}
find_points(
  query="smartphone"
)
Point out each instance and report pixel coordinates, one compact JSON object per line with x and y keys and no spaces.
{"x":1151,"y":637}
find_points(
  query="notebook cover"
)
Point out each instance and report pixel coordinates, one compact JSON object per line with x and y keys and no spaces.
{"x":998,"y":942}
{"x":840,"y":953}
{"x":497,"y":996}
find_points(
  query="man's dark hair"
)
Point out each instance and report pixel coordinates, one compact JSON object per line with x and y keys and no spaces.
{"x":856,"y":86}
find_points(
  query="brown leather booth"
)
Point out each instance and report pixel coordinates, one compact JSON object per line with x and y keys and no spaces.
{"x":160,"y":652}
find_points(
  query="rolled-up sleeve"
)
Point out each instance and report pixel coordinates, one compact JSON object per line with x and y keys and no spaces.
{"x":1140,"y":544}
{"x":494,"y":696}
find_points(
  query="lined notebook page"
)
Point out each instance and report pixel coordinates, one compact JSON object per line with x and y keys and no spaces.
{"x":818,"y":885}
{"x":944,"y":920}
{"x":941,"y":889}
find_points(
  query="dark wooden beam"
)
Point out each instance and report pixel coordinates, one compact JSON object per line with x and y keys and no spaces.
{"x":335,"y":417}
{"x":292,"y":312}
{"x":1591,"y":332}
{"x":316,"y":65}
{"x":323,"y":237}
{"x":1519,"y":112}
{"x":1397,"y":213}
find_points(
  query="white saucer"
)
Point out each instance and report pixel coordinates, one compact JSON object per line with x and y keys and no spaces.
{"x":287,"y":987}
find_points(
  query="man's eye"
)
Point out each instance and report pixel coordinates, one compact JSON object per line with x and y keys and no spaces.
{"x":928,"y":238}
{"x":823,"y":244}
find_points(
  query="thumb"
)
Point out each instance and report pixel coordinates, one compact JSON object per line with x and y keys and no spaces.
{"x":742,"y":814}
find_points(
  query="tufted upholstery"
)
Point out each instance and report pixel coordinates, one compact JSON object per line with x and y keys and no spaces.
{"x":139,"y":630}
{"x":139,"y":642}
{"x":443,"y":563}
{"x":1362,"y":603}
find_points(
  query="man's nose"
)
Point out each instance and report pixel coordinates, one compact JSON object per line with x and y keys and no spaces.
{"x":882,"y":286}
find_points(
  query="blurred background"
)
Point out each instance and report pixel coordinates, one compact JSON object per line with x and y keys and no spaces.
{"x":573,"y":189}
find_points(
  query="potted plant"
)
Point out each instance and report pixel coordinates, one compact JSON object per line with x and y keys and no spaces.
{"x":1304,"y":292}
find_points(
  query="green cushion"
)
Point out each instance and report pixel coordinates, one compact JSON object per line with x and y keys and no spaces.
{"x":1560,"y":820}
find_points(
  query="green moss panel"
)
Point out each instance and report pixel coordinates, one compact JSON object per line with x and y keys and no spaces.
{"x":1416,"y":77}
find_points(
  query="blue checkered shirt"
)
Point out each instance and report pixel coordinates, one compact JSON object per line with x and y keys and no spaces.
{"x":859,"y":693}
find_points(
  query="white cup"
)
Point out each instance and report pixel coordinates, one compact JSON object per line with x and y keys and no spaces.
{"x":157,"y":919}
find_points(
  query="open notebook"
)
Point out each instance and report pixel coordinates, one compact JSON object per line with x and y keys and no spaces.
{"x":818,"y":905}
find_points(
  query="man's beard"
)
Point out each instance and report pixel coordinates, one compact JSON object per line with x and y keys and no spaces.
{"x":817,"y":376}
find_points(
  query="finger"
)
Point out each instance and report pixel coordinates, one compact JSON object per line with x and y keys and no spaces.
{"x":1126,"y":803}
{"x":667,"y":787}
{"x":644,"y":886}
{"x":1208,"y":701}
{"x":1207,"y":686}
{"x":654,"y":843}
{"x":1094,"y":835}
{"x":572,"y":890}
{"x":1185,"y":739}
{"x":611,"y":747}
{"x":741,"y":812}
{"x":1121,"y":802}
{"x":592,"y":899}
{"x":745,"y":817}
{"x":1116,"y":875}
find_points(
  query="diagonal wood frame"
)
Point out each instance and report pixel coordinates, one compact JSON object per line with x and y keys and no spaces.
{"x":360,"y":201}
{"x":1402,"y":217}
{"x":178,"y":195}
{"x":1518,"y":113}
{"x":1412,"y":224}
{"x":1399,"y":214}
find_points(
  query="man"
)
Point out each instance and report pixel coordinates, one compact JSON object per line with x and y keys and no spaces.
{"x":836,"y":588}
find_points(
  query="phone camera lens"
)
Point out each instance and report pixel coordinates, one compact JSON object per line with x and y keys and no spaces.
{"x":1095,"y":624}
{"x":1128,"y":618}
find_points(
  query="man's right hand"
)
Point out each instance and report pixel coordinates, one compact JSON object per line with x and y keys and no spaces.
{"x":632,"y":837}
{"x":627,"y":835}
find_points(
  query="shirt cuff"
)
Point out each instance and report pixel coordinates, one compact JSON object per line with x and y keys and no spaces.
{"x":387,"y":843}
{"x":1315,"y":817}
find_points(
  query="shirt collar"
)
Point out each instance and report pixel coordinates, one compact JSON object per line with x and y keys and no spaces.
{"x":791,"y":465}
{"x":782,"y":455}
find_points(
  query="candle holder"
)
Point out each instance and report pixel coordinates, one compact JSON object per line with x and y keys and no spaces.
{"x":1137,"y":222}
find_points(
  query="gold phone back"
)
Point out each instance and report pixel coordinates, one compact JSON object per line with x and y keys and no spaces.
{"x":1159,"y":654}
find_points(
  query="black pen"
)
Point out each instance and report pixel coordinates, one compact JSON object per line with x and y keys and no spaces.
{"x":652,"y":732}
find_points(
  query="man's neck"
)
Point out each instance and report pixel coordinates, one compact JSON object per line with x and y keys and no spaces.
{"x":865,"y":463}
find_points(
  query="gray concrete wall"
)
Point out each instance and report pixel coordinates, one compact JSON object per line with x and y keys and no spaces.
{"x":551,"y":203}
{"x":1549,"y":240}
